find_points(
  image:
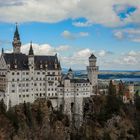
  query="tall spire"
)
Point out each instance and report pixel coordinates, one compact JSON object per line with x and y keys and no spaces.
{"x":16,"y":41}
{"x":31,"y":52}
{"x":16,"y":34}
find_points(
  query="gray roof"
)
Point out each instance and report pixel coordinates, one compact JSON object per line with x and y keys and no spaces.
{"x":22,"y":61}
{"x":70,"y":70}
{"x":92,"y":56}
{"x":49,"y":60}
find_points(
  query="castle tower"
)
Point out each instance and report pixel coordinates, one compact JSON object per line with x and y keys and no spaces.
{"x":16,"y":41}
{"x":31,"y":70}
{"x":92,"y":70}
{"x":31,"y":58}
{"x":70,"y":73}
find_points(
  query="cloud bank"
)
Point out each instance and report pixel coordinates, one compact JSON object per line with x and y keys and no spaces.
{"x":105,"y":12}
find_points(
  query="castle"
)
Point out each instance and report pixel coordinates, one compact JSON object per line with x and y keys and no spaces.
{"x":25,"y":78}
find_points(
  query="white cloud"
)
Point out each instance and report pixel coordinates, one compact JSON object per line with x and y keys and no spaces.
{"x":68,"y":35}
{"x":81,"y":24}
{"x":103,"y":53}
{"x":83,"y":34}
{"x":72,"y":36}
{"x":132,"y":34}
{"x":118,"y":34}
{"x":129,"y":60}
{"x":44,"y":49}
{"x":100,"y":12}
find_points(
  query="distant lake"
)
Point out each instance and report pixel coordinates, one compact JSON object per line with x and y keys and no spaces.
{"x":129,"y":79}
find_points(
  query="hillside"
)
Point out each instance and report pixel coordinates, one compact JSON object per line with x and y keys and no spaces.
{"x":105,"y":118}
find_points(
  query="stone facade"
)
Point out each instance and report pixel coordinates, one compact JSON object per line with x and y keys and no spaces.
{"x":70,"y":96}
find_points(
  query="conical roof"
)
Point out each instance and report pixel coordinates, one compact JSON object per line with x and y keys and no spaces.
{"x":92,"y":56}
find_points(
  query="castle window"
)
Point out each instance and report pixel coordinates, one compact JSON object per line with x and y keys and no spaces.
{"x":38,"y":73}
{"x":55,"y":78}
{"x":19,"y":96}
{"x":13,"y":91}
{"x":13,"y":85}
{"x":50,"y":84}
{"x":26,"y":90}
{"x":27,"y":95}
{"x":43,"y":72}
{"x":13,"y":73}
{"x":17,"y":79}
{"x":27,"y":73}
{"x":23,"y":96}
{"x":13,"y":79}
{"x":17,"y":73}
{"x":48,"y":73}
{"x":53,"y":73}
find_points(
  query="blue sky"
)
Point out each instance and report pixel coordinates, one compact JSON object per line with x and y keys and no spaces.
{"x":74,"y":29}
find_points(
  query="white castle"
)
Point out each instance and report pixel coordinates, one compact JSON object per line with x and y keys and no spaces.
{"x":25,"y":78}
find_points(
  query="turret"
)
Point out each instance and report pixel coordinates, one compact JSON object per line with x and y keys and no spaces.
{"x":31,"y":69}
{"x":92,"y":70}
{"x":31,"y":52}
{"x":70,"y":73}
{"x":31,"y":56}
{"x":16,"y":41}
{"x":92,"y":60}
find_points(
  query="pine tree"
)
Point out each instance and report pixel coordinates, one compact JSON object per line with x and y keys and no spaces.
{"x":111,"y":89}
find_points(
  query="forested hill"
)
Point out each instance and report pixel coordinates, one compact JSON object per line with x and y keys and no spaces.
{"x":105,"y":118}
